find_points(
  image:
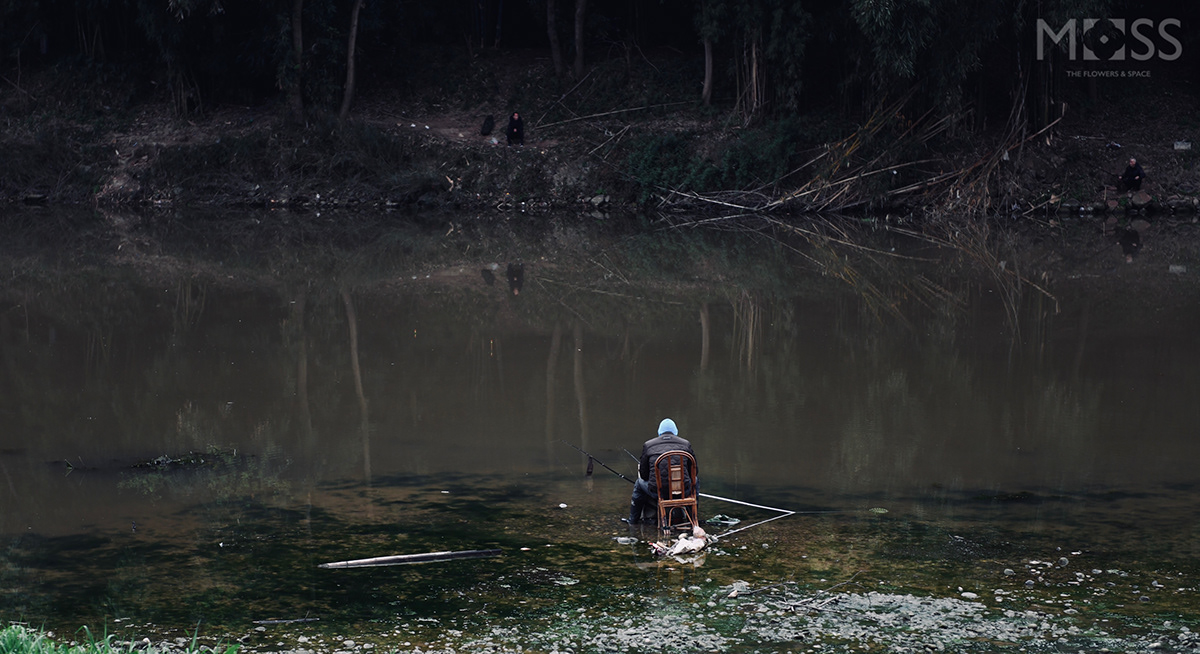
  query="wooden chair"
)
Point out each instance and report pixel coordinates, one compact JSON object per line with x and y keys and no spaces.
{"x":676,"y":475}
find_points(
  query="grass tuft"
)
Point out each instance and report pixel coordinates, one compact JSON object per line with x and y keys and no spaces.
{"x":18,"y":639}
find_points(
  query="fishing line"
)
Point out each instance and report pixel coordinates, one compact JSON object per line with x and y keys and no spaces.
{"x":757,"y":506}
{"x":762,"y":522}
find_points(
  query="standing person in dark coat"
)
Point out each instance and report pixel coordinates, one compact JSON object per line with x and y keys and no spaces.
{"x":1132,"y":178}
{"x":645,"y":489}
{"x":516,"y":129}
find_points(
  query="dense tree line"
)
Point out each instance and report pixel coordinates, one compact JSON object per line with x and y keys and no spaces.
{"x":974,"y":59}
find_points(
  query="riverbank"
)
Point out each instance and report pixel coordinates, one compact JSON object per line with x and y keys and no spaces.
{"x":413,"y":179}
{"x":654,"y":148}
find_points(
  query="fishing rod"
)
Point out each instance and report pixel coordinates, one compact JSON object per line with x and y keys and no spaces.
{"x":592,"y":458}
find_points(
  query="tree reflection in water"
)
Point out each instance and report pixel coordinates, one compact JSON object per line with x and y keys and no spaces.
{"x":338,"y":421}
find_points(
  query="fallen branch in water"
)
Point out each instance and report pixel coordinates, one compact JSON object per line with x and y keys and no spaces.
{"x":712,"y":200}
{"x":404,"y":559}
{"x":843,"y":182}
{"x":814,"y":607}
{"x":291,"y":621}
{"x":766,"y":588}
{"x":810,"y":603}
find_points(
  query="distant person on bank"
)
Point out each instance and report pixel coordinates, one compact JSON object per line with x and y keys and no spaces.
{"x":516,"y":129}
{"x":1131,"y":179}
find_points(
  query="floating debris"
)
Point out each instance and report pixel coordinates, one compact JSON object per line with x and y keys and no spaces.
{"x":404,"y":559}
{"x":683,"y":546}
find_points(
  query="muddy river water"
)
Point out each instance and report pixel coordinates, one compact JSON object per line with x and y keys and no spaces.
{"x":181,"y":450}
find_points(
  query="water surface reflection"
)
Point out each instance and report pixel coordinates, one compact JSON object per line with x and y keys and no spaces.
{"x":178,"y":437}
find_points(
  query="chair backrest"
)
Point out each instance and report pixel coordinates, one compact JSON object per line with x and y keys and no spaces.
{"x":676,"y":475}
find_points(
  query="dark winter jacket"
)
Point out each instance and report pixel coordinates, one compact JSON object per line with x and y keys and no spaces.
{"x":654,"y":448}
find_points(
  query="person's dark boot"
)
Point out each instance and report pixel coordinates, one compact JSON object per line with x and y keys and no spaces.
{"x":633,"y":518}
{"x":635,"y":513}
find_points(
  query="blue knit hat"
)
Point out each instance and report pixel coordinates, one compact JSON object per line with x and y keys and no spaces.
{"x":667,"y":425}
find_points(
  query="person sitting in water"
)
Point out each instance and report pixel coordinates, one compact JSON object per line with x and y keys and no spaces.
{"x":1131,"y":179}
{"x":645,"y":489}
